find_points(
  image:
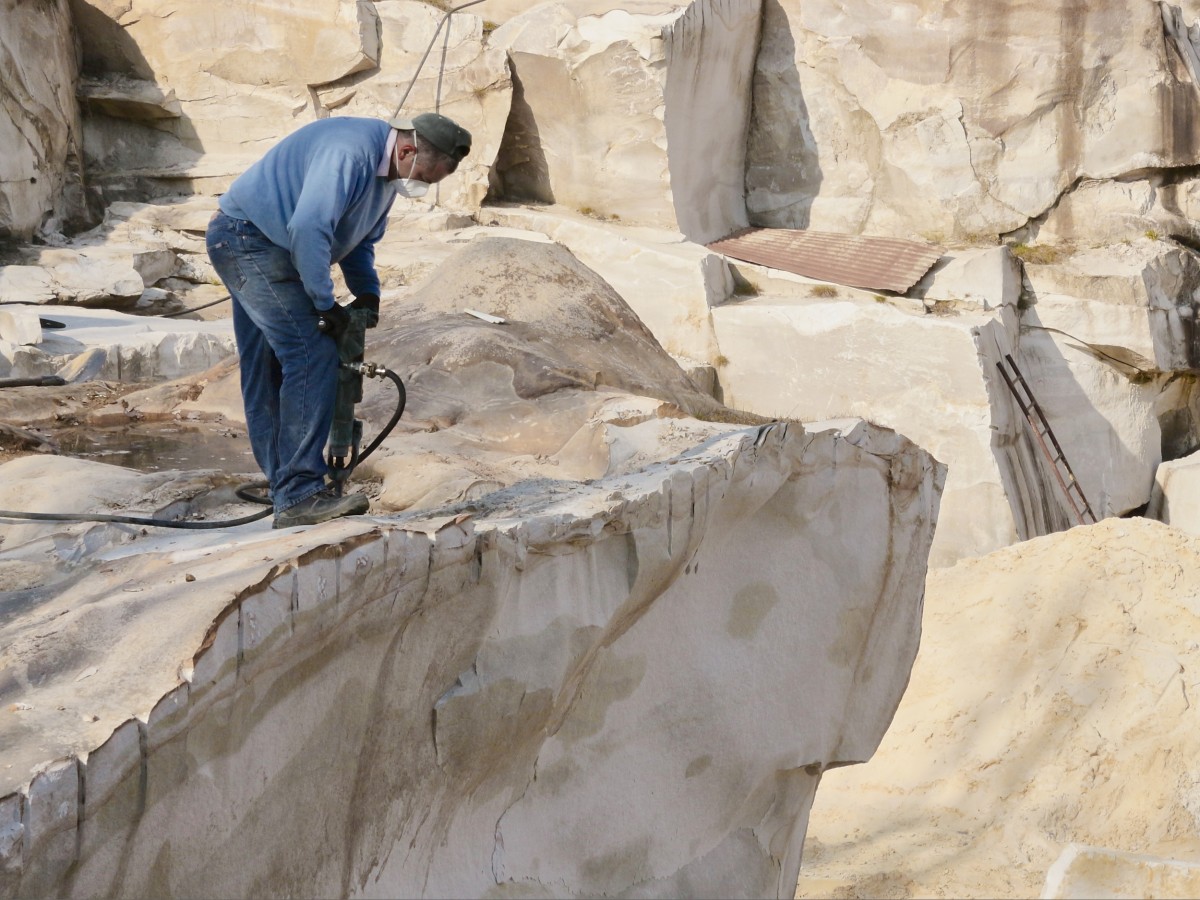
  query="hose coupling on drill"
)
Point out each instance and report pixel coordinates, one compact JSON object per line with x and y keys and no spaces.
{"x":371,"y":370}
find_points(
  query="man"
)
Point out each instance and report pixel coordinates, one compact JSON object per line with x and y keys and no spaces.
{"x":320,"y":196}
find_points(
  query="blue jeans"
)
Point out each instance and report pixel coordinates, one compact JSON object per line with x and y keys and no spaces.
{"x":288,"y":367}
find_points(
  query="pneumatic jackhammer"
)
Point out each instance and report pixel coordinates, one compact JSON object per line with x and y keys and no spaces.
{"x":345,"y":433}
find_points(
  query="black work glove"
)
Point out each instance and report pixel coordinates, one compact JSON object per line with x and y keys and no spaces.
{"x":366,"y":310}
{"x":333,"y":321}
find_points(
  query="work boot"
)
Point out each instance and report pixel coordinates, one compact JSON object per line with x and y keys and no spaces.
{"x":321,"y":507}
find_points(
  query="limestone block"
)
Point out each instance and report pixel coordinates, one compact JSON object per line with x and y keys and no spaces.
{"x":1082,"y":872}
{"x":1139,"y":299}
{"x":41,"y":168}
{"x":125,"y":98}
{"x":1106,"y":423}
{"x":1173,"y":499}
{"x":957,"y":122}
{"x":604,"y":113}
{"x":115,"y":346}
{"x":155,"y":264}
{"x":161,"y":356}
{"x":559,"y":645}
{"x":26,"y":284}
{"x":811,"y":359}
{"x":20,"y":325}
{"x":84,"y":277}
{"x":1107,"y":212}
{"x":985,"y":278}
{"x":172,"y":220}
{"x":797,"y":357}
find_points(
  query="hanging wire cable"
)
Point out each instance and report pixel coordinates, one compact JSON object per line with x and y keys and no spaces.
{"x":425,"y":56}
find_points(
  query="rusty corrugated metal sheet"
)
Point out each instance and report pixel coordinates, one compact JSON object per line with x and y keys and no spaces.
{"x":873,"y":263}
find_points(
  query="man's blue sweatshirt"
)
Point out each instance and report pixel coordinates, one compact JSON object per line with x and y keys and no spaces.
{"x":317,"y":194}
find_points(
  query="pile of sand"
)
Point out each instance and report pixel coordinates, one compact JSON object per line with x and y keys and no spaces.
{"x":1054,"y":699}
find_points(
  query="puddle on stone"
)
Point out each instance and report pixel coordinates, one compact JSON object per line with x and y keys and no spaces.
{"x":156,"y":447}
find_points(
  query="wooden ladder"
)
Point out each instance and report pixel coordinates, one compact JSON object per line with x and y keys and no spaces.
{"x":1042,"y":431}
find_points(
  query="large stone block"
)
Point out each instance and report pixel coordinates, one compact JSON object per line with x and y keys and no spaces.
{"x":813,"y":358}
{"x":604,"y":116}
{"x":515,"y":695}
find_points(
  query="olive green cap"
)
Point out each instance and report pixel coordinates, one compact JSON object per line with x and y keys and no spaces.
{"x":443,"y":133}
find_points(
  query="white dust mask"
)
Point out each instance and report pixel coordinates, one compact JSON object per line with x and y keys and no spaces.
{"x":412,"y":188}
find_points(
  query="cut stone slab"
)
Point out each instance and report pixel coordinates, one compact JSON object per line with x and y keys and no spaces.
{"x":1143,"y":296}
{"x":608,"y":536}
{"x":77,"y":277}
{"x":985,"y":278}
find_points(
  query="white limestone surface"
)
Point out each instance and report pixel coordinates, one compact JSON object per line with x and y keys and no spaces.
{"x":1141,"y":296}
{"x":983,"y":277}
{"x":105,"y":345}
{"x":630,"y":686}
{"x":237,"y":78}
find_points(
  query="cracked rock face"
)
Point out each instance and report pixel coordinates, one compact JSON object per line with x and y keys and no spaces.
{"x":962,"y":118}
{"x":41,"y":167}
